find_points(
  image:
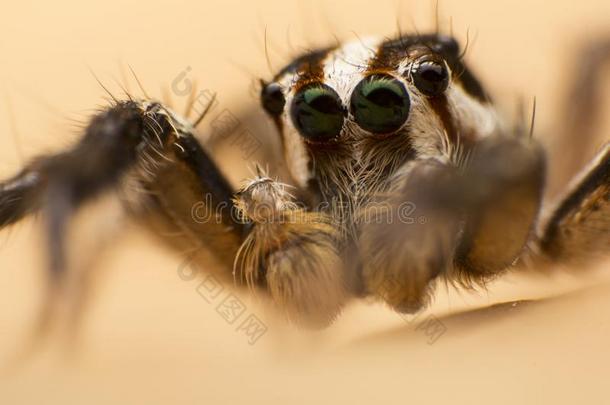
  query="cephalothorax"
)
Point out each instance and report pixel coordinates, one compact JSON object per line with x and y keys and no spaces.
{"x":401,"y":174}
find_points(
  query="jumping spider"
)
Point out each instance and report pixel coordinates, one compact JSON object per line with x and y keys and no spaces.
{"x":365,"y":127}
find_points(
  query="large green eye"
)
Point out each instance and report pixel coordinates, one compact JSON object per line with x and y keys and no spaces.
{"x":317,"y":112}
{"x":380,"y":104}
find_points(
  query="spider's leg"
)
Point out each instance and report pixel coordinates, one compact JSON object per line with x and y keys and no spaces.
{"x":58,"y":184}
{"x":290,"y":253}
{"x":579,"y":227}
{"x":132,"y":147}
{"x":467,"y":224}
{"x":194,"y":203}
{"x":126,"y":149}
{"x":577,"y":134}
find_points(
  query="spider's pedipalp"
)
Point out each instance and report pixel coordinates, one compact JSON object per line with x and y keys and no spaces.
{"x":466,"y":224}
{"x":291,"y":253}
{"x":503,"y":184}
{"x":406,"y":241}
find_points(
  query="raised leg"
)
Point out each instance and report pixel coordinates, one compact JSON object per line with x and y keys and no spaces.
{"x":193,"y":205}
{"x":138,"y":149}
{"x":58,"y":184}
{"x":149,"y":158}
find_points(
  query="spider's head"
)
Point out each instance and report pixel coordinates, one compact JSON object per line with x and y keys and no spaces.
{"x":370,"y":105}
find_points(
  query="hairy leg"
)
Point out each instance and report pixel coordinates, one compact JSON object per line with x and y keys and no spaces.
{"x":579,"y":227}
{"x":58,"y":184}
{"x":290,"y":253}
{"x":192,"y":206}
{"x":144,"y":154}
{"x":467,"y":224}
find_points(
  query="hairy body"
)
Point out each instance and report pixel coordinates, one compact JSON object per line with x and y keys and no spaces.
{"x":367,"y":128}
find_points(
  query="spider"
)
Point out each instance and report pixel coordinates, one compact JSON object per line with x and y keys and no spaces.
{"x":370,"y":130}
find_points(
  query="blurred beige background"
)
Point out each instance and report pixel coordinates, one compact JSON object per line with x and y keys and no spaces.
{"x":150,"y":338}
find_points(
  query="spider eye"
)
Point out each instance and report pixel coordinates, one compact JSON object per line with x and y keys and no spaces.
{"x":430,"y":77}
{"x":317,"y":112}
{"x":380,"y":104}
{"x":273,"y":99}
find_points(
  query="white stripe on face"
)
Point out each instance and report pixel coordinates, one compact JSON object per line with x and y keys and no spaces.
{"x":345,"y":67}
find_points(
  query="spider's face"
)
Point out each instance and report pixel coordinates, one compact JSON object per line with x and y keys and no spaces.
{"x":358,"y":111}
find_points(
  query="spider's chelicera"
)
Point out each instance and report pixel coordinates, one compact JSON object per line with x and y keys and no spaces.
{"x":367,"y":128}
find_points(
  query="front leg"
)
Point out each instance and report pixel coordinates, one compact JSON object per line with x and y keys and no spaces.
{"x":290,"y":253}
{"x":468,"y":223}
{"x":140,"y":152}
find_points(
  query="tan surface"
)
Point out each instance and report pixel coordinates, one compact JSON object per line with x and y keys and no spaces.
{"x":150,"y":338}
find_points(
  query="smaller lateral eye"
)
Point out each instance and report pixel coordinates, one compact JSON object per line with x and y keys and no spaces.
{"x":273,"y":99}
{"x":431,"y":77}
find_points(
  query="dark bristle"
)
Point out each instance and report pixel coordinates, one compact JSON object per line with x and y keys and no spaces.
{"x":309,"y":65}
{"x":393,"y":51}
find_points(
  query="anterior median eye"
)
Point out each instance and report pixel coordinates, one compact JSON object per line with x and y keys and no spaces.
{"x":380,"y":104}
{"x":317,"y":112}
